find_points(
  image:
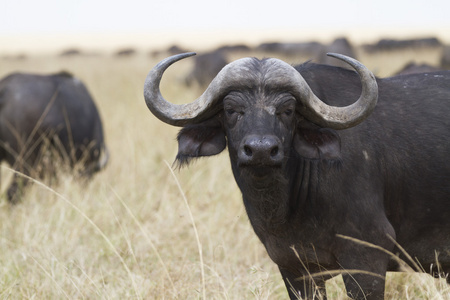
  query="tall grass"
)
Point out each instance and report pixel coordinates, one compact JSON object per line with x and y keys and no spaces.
{"x":139,"y":230}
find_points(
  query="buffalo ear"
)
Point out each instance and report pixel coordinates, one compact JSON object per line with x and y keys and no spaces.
{"x":318,"y":143}
{"x":203,"y":139}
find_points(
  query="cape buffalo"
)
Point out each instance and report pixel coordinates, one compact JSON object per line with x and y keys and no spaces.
{"x":413,"y":67}
{"x":318,"y":174}
{"x":340,"y":45}
{"x":445,"y":59}
{"x":206,"y":66}
{"x":313,"y":50}
{"x":393,"y":45}
{"x":38,"y":113}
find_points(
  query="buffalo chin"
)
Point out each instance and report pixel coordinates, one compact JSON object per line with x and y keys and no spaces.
{"x":261,"y":172}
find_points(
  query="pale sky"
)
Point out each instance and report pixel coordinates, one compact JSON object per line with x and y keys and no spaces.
{"x":67,"y":17}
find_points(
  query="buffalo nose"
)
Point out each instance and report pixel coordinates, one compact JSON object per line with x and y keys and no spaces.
{"x":261,"y":150}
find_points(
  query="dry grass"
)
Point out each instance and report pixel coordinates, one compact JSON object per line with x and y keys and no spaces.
{"x":137,"y":230}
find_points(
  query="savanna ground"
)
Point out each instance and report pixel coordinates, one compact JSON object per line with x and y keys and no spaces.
{"x":138,"y":229}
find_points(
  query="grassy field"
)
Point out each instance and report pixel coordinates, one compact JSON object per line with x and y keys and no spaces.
{"x":139,"y":230}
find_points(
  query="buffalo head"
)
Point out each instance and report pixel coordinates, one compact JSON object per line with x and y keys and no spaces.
{"x":263,"y":108}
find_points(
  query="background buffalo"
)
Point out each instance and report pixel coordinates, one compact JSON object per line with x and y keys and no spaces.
{"x":44,"y":115}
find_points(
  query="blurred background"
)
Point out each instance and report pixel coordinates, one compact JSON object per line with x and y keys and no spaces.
{"x":47,"y":26}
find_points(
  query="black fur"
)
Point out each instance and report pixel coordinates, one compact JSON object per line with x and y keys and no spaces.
{"x":305,"y":187}
{"x":55,"y":110}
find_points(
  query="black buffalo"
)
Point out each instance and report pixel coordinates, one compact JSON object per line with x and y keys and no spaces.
{"x":400,"y":45}
{"x":445,"y":59}
{"x":39,"y":113}
{"x":309,"y":49}
{"x":312,"y":192}
{"x":312,"y":50}
{"x":206,"y":67}
{"x":340,"y":45}
{"x":413,"y":67}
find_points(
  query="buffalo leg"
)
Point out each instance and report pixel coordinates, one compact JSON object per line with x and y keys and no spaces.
{"x":362,"y":286}
{"x":308,"y":288}
{"x":446,"y":273}
{"x":443,"y":271}
{"x":16,"y":189}
{"x":365,"y":281}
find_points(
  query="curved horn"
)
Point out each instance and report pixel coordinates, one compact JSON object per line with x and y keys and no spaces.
{"x":334,"y":117}
{"x":234,"y":74}
{"x":182,"y":114}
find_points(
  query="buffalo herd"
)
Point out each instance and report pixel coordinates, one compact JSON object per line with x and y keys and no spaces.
{"x":336,"y":167}
{"x":208,"y":64}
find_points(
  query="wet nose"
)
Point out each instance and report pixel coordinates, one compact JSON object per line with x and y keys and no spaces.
{"x":261,"y":150}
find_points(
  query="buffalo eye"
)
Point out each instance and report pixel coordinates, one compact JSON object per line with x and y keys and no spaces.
{"x":286,"y":109}
{"x":232,"y":108}
{"x":233,"y":114}
{"x":288,"y":112}
{"x":230,"y":111}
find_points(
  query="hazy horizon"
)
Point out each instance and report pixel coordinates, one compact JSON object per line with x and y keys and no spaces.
{"x":200,"y":40}
{"x":51,"y":25}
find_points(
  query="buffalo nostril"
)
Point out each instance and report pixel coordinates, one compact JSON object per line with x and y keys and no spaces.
{"x":261,"y":150}
{"x":248,"y":151}
{"x":274,"y":151}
